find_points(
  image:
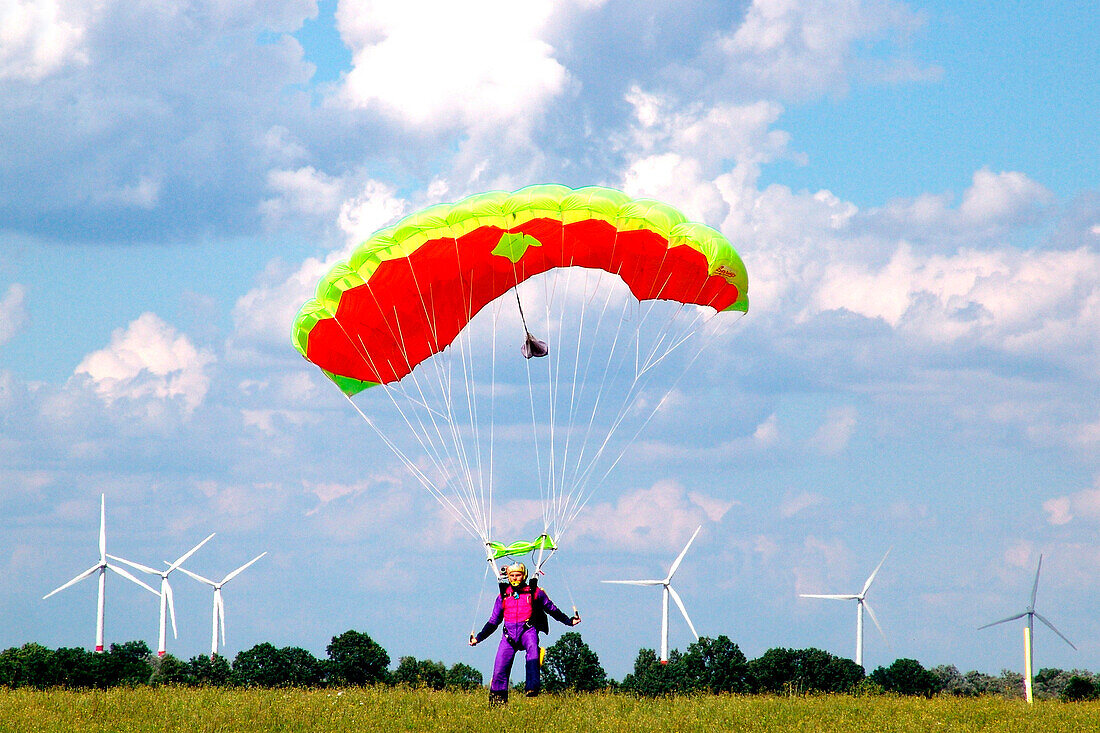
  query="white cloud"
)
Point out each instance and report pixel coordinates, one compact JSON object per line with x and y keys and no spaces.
{"x":40,"y":37}
{"x":679,"y":155}
{"x":301,"y":192}
{"x":992,"y":205}
{"x":13,"y":312}
{"x":792,"y":505}
{"x":263,"y":315}
{"x":833,"y":435}
{"x":660,"y":517}
{"x":435,"y":63}
{"x":1084,"y":505}
{"x":795,"y":49}
{"x":148,"y":360}
{"x":1019,"y":301}
{"x":767,"y":432}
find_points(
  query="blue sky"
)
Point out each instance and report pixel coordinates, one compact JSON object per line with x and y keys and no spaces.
{"x":912,"y":187}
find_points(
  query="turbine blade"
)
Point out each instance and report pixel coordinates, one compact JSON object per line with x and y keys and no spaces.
{"x":1056,"y":631}
{"x":126,"y":574}
{"x":238,"y":571}
{"x":680,"y":604}
{"x":871,"y":577}
{"x":102,"y":528}
{"x":171,"y":607}
{"x":871,"y":613}
{"x":182,"y":558}
{"x":831,"y":596}
{"x":635,"y":582}
{"x":1004,"y":620}
{"x":74,"y":581}
{"x":135,"y":565}
{"x":1035,"y":586}
{"x":197,"y":577}
{"x":680,"y":557}
{"x":220,"y":603}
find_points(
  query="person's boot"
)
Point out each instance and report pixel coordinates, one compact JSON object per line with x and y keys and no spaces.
{"x":533,"y":681}
{"x":498,"y":698}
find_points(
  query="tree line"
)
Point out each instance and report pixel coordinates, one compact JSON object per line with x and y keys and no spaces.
{"x":708,"y":666}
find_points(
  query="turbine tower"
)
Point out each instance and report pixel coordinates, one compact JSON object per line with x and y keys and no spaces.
{"x":1029,"y":630}
{"x":166,"y":601}
{"x":668,"y":591}
{"x":861,"y":603}
{"x":101,"y":567}
{"x":218,"y":615}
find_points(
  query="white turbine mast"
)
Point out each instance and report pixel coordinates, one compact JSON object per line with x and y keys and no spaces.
{"x":218,"y":615}
{"x":861,"y":603}
{"x":101,"y":567}
{"x":167,"y":604}
{"x":668,"y":590}
{"x":1029,"y":630}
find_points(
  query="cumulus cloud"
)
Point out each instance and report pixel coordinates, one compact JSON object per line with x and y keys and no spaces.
{"x":678,"y":155}
{"x":662,"y":516}
{"x":434,"y":63}
{"x":793,"y":504}
{"x":41,"y":37}
{"x":993,"y":204}
{"x":1083,"y":505}
{"x":12,"y":311}
{"x":148,"y":360}
{"x":262,"y":315}
{"x":798,"y":50}
{"x":833,"y":435}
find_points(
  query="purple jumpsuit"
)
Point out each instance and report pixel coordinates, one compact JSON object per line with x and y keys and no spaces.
{"x":521,"y":610}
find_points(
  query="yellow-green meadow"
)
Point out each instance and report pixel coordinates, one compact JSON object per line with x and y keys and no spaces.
{"x":210,"y":710}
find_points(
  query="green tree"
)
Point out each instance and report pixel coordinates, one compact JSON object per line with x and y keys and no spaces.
{"x":715,"y":665}
{"x":356,"y":659}
{"x":798,"y":671}
{"x":205,"y":671}
{"x":128,"y":663}
{"x":1078,"y":689}
{"x":422,"y":673}
{"x":571,"y":665}
{"x":31,"y":665}
{"x":170,"y":670}
{"x":650,"y":678}
{"x":77,"y":668}
{"x":774,"y":670}
{"x":906,"y":677}
{"x":463,"y":677}
{"x":265,"y":666}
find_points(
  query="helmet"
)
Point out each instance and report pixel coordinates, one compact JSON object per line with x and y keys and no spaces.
{"x":516,"y":567}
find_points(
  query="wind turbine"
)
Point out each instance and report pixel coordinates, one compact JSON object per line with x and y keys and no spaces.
{"x":1029,"y":630}
{"x":166,"y":600}
{"x":218,"y":616}
{"x":101,"y":567}
{"x":668,"y":590}
{"x":861,"y":603}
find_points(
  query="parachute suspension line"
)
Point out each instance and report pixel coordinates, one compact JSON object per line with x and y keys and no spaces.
{"x":466,"y":356}
{"x":480,"y":597}
{"x":579,"y":380}
{"x":433,"y":455}
{"x":724,"y":325}
{"x":425,"y":481}
{"x":600,"y":391}
{"x":492,"y":433}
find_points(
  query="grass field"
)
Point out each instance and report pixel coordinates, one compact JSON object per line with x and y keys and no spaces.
{"x":188,"y":710}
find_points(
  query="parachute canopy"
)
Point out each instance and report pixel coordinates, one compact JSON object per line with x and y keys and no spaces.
{"x":626,"y":292}
{"x":410,"y":289}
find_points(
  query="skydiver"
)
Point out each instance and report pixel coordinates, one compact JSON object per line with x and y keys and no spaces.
{"x":523,"y":608}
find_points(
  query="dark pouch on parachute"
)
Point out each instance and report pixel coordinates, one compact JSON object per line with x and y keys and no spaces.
{"x":534,"y":348}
